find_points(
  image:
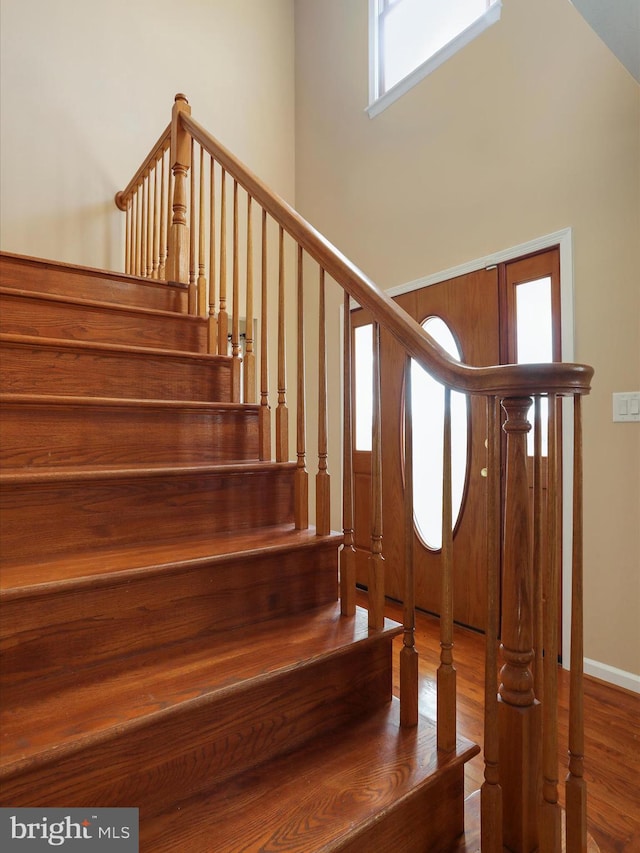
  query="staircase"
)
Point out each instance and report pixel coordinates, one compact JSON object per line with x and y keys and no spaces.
{"x":170,"y":641}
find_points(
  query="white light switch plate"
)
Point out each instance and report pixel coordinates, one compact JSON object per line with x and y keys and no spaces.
{"x":626,"y":406}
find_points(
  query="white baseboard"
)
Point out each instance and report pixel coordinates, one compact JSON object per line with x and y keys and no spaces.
{"x":628,"y":680}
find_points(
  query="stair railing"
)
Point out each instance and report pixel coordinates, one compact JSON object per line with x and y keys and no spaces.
{"x":181,"y":226}
{"x":146,"y":203}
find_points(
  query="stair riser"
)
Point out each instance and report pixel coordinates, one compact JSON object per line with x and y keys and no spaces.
{"x":179,"y":756}
{"x":28,"y":368}
{"x":61,"y":434}
{"x":69,"y":321}
{"x":88,"y":284}
{"x":429,"y":821}
{"x":55,"y":634}
{"x":78,"y":515}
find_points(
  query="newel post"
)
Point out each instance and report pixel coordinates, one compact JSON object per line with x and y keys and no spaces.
{"x":519,"y":712}
{"x":178,"y":252}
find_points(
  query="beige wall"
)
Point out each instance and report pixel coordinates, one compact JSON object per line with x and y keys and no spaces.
{"x":533,"y":128}
{"x":87,"y":87}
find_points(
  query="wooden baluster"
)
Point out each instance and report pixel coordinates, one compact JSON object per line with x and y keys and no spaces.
{"x":491,"y":792}
{"x":550,"y":815}
{"x":409,"y":654}
{"x":348,"y":553}
{"x":249,"y":364}
{"x":202,"y":281}
{"x":170,"y":186}
{"x":264,"y":422}
{"x":178,"y":260}
{"x":282,"y":414}
{"x":301,"y":501}
{"x":576,"y":786}
{"x":539,"y":563}
{"x":127,"y":239}
{"x":519,"y":713}
{"x":213,"y":321}
{"x":141,"y":256}
{"x":446,"y":676}
{"x":155,"y":259}
{"x":134,"y":231}
{"x":223,"y":316}
{"x":138,"y":251}
{"x":145,"y":217}
{"x":132,"y":239}
{"x":323,"y":480}
{"x":376,"y":560}
{"x":193,"y":295}
{"x":149,"y":263}
{"x":162,"y":248}
{"x":131,"y":256}
{"x":235,"y":302}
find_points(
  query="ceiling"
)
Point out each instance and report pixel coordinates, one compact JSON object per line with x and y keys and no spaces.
{"x":617,"y":22}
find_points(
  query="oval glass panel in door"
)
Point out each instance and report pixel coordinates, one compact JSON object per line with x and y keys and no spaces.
{"x":428,"y":427}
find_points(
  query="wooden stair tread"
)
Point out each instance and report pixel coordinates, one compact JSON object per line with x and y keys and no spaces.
{"x":319,"y":797}
{"x":85,"y":318}
{"x":91,"y":368}
{"x":28,"y":261}
{"x":65,"y":510}
{"x":141,"y":689}
{"x":99,"y":346}
{"x":115,"y":472}
{"x":141,"y":311}
{"x":44,"y":276}
{"x":124,"y":402}
{"x":57,"y":431}
{"x":166,"y":631}
{"x":104,"y":567}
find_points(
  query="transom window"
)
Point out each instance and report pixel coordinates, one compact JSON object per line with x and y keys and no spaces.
{"x":410,"y":38}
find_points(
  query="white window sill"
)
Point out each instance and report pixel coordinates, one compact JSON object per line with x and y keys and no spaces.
{"x":491,"y":16}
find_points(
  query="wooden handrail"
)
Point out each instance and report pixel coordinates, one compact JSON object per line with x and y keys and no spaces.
{"x":519,"y":739}
{"x":161,"y":145}
{"x":499,"y":380}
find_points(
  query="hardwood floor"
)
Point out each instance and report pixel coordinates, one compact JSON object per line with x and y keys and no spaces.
{"x":612,"y":732}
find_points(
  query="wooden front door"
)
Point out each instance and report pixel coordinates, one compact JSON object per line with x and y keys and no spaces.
{"x":481,"y":311}
{"x":469,"y":306}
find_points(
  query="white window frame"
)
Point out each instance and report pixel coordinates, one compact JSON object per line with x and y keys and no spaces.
{"x":379,"y":102}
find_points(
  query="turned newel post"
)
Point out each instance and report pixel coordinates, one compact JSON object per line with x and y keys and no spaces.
{"x":178,"y":253}
{"x":519,"y":712}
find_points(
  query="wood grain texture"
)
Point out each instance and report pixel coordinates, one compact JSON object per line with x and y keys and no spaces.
{"x":100,"y":609}
{"x":519,"y":714}
{"x":612,"y":751}
{"x":52,"y":316}
{"x":143,"y":681}
{"x":65,"y":510}
{"x":470,"y":841}
{"x":49,"y":431}
{"x":42,"y":365}
{"x":26,"y":273}
{"x":172,"y":720}
{"x":376,"y":788}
